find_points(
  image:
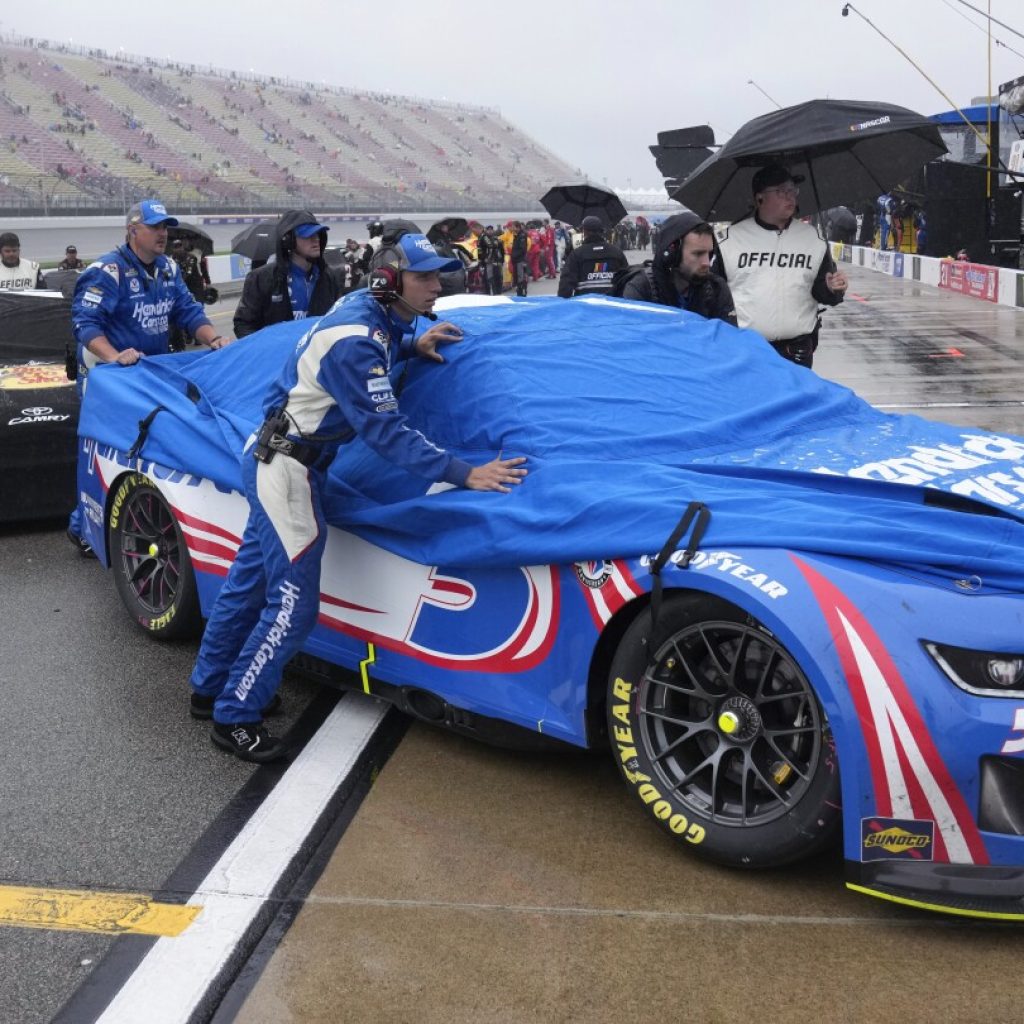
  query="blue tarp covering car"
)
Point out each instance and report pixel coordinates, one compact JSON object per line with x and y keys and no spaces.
{"x":618,"y":444}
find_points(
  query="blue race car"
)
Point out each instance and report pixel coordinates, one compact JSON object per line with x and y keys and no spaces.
{"x":788,"y":615}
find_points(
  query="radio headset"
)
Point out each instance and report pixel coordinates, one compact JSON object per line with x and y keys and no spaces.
{"x":385,"y":281}
{"x":673,"y":255}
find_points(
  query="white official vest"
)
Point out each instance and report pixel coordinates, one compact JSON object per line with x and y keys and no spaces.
{"x":770,"y":274}
{"x":19,"y":278}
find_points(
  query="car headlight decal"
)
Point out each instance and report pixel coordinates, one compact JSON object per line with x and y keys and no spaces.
{"x":986,"y":673}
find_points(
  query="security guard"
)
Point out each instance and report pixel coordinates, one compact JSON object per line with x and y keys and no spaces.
{"x":335,"y":386}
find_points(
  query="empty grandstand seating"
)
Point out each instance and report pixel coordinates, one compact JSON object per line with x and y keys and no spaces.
{"x":85,"y":130}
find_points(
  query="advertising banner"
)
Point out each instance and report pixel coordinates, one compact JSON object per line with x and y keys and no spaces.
{"x":976,"y":279}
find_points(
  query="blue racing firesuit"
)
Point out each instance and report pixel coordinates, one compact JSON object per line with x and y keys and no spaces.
{"x":132,"y":307}
{"x":335,"y":385}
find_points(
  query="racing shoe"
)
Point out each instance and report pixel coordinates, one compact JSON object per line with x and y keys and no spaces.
{"x":201,"y":706}
{"x":248,"y":740}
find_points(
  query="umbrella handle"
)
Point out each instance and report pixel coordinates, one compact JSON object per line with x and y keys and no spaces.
{"x":821,"y":215}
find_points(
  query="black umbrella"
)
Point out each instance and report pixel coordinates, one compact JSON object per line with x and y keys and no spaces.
{"x":845,"y":149}
{"x":576,"y":200}
{"x":257,"y":241}
{"x":458,"y":227}
{"x":193,"y":236}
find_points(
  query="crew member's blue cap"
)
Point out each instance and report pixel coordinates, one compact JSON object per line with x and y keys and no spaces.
{"x":151,"y":212}
{"x":309,"y":230}
{"x":421,"y":256}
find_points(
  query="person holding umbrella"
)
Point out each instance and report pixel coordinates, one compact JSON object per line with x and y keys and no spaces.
{"x":298,"y":284}
{"x":778,"y":268}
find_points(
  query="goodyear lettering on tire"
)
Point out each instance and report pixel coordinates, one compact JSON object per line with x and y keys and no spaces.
{"x":128,"y":484}
{"x":622,"y":735}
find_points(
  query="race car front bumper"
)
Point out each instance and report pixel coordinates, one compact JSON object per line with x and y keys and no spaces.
{"x":989,"y":891}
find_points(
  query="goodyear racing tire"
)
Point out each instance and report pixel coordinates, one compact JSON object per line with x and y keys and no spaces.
{"x":721,"y":737}
{"x":150,"y":561}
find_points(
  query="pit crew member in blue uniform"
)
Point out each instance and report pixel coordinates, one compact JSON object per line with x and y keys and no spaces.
{"x":335,"y":386}
{"x":125,"y":303}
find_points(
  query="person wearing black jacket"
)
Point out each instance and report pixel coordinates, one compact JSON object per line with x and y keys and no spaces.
{"x":591,"y":266}
{"x":517,"y":257}
{"x":680,"y":273}
{"x":490,"y":251}
{"x":296,"y":285}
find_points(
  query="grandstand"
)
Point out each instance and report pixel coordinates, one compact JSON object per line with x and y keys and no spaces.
{"x":83,"y":131}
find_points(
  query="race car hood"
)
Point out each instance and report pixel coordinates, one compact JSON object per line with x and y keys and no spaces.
{"x":626,"y":413}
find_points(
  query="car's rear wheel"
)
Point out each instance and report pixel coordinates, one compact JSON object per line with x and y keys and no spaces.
{"x":721,"y":736}
{"x":150,"y":561}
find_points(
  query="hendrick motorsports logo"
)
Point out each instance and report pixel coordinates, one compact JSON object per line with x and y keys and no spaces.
{"x":38,"y":414}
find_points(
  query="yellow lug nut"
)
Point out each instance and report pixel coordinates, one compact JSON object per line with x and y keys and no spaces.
{"x":153,"y":549}
{"x":728,"y":722}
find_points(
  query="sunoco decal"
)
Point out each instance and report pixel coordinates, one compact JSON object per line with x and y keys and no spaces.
{"x":896,"y":839}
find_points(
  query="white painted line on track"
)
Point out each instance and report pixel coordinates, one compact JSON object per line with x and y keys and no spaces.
{"x":175,"y":974}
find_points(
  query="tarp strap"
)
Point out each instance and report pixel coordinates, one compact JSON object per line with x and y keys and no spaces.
{"x":144,"y":426}
{"x":699,"y":515}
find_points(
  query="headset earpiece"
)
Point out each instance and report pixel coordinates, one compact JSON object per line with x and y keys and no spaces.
{"x":385,"y":280}
{"x":673,"y":255}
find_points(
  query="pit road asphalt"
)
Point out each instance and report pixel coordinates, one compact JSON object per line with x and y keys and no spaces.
{"x":472,"y":884}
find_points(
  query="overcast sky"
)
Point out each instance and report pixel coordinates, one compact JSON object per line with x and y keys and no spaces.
{"x":594,"y":81}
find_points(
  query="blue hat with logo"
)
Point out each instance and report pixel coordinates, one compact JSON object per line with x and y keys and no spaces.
{"x":309,"y":230}
{"x":419,"y":256}
{"x":151,"y":212}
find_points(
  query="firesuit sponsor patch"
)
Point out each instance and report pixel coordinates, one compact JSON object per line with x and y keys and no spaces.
{"x":272,"y":641}
{"x":378,"y":384}
{"x":152,"y":316}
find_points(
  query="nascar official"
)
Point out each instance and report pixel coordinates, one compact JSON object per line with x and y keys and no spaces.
{"x":591,"y":266}
{"x":779,"y":269}
{"x":17,"y":274}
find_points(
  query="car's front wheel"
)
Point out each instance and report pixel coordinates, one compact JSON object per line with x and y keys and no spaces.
{"x":721,"y":737}
{"x":150,"y":561}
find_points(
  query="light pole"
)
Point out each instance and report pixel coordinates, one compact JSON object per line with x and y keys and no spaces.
{"x":42,"y":178}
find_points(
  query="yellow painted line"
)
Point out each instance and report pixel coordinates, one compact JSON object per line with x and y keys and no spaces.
{"x":990,"y":915}
{"x":364,"y":665}
{"x":77,"y":910}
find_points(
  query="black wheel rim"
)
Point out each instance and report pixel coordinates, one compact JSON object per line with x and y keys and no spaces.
{"x":150,"y":548}
{"x":730,"y":723}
